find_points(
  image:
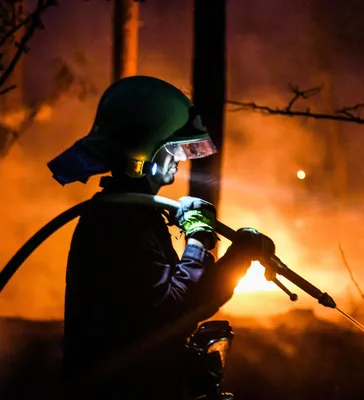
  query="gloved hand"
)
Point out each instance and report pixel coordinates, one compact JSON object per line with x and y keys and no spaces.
{"x":197,"y":217}
{"x":252,"y":244}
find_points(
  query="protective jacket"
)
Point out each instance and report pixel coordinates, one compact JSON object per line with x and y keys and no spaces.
{"x":131,"y":302}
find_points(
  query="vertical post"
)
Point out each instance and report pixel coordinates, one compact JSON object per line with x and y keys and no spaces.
{"x":125,"y":29}
{"x":209,"y":66}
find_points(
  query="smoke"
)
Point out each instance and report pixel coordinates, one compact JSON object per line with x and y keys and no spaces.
{"x":260,"y":160}
{"x":260,"y":189}
{"x":30,"y":199}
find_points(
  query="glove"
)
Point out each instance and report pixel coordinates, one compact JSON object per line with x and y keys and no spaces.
{"x":196,"y":217}
{"x":252,"y":244}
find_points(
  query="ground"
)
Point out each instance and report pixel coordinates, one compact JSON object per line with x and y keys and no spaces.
{"x":299,"y":357}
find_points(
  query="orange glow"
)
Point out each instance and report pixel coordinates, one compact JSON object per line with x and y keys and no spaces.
{"x":13,"y":119}
{"x":254,"y":280}
{"x":44,"y":113}
{"x":251,"y":195}
{"x":256,"y":191}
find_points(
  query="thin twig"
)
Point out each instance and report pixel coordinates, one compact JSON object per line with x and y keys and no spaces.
{"x":15,"y":29}
{"x":7,"y":90}
{"x":304,"y":94}
{"x":346,"y":110}
{"x":347,"y":266}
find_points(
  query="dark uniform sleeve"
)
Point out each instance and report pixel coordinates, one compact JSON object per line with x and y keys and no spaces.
{"x":195,"y":283}
{"x":131,"y":259}
{"x":169,"y":287}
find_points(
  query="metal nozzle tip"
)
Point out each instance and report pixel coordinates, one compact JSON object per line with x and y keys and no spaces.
{"x":327,"y":301}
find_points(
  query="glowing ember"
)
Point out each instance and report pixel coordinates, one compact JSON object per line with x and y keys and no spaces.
{"x":254,"y":280}
{"x":301,"y":174}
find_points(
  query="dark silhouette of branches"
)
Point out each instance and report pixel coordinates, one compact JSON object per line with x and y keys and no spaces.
{"x":346,"y":114}
{"x":12,"y":21}
{"x":347,"y":266}
{"x":7,"y":89}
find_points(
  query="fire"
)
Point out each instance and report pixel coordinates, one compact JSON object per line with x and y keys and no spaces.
{"x":254,"y":280}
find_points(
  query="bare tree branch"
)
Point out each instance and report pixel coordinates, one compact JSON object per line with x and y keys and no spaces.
{"x":11,"y":32}
{"x":344,"y":114}
{"x":32,"y":22}
{"x":347,"y":266}
{"x":7,"y":89}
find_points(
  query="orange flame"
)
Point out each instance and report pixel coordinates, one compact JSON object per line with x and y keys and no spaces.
{"x":254,"y":280}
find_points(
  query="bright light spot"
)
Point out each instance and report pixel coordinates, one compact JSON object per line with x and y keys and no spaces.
{"x":301,"y":174}
{"x":254,"y":280}
{"x":154,"y":169}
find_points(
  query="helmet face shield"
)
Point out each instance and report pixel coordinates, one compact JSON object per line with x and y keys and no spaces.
{"x":189,"y":142}
{"x":191,"y":150}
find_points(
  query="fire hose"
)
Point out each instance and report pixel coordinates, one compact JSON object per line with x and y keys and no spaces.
{"x":273,"y":265}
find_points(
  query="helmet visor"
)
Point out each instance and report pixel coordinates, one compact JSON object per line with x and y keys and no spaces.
{"x":191,"y":150}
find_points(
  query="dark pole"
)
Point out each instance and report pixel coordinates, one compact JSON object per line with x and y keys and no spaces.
{"x":209,"y":66}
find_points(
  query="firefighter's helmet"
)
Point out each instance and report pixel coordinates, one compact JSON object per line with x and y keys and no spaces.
{"x":136,"y":117}
{"x":139,"y":115}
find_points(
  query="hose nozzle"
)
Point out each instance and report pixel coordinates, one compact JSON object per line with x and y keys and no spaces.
{"x":326,"y":300}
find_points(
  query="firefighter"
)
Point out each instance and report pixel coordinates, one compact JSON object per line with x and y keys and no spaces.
{"x":130,"y":302}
